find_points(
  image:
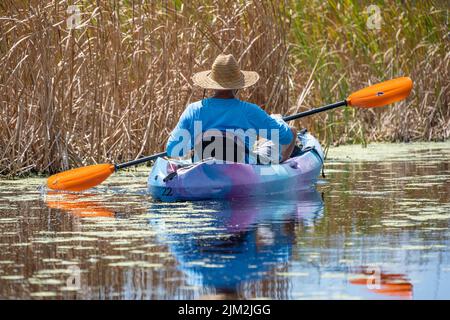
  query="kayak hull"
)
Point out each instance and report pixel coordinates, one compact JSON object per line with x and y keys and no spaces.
{"x":180,"y":180}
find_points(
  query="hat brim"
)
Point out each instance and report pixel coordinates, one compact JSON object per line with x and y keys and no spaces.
{"x":203,"y":80}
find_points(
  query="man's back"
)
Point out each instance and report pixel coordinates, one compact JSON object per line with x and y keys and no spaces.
{"x":226,"y":114}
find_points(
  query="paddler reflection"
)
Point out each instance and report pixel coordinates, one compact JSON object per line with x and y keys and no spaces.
{"x":241,"y":242}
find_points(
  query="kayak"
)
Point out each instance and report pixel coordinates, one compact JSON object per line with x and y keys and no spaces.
{"x":181,"y":180}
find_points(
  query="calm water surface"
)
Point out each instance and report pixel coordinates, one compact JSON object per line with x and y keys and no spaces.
{"x":377,"y":227}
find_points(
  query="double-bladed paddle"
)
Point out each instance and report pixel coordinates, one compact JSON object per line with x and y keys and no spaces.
{"x":377,"y":95}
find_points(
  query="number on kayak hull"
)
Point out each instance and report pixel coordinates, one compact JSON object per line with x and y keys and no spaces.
{"x":167,"y":192}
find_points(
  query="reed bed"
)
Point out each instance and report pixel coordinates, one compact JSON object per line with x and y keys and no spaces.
{"x":333,"y":43}
{"x":113,"y":88}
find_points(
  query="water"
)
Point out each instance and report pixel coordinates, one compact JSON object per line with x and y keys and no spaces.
{"x":377,"y":227}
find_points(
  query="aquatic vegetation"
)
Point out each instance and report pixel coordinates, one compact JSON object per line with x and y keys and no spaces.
{"x":43,"y":294}
{"x":138,"y":264}
{"x":12,"y":277}
{"x":387,"y":152}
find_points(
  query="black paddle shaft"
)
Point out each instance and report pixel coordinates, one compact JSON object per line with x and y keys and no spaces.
{"x":140,"y":160}
{"x":314,"y":111}
{"x":287,"y":118}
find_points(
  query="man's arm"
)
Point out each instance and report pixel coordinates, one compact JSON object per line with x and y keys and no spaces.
{"x":180,"y":140}
{"x":286,"y":149}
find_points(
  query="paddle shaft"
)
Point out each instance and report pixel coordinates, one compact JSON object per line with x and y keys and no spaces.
{"x":314,"y":111}
{"x":138,"y":161}
{"x":288,"y":118}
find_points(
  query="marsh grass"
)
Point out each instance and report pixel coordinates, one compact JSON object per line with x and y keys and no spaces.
{"x":413,"y":40}
{"x":112,"y":89}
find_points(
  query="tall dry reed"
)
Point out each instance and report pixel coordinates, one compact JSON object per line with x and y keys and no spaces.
{"x":112,"y":89}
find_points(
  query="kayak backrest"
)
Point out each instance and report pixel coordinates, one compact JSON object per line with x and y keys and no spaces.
{"x":221,"y":145}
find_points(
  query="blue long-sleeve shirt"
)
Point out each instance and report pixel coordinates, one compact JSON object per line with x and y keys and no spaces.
{"x":223,"y":114}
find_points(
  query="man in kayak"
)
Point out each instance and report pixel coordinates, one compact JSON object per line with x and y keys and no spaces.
{"x":213,"y":119}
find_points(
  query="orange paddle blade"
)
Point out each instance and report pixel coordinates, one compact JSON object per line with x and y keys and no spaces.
{"x":382,"y":93}
{"x":81,"y":178}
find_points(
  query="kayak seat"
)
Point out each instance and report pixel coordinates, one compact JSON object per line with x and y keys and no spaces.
{"x":220,"y":145}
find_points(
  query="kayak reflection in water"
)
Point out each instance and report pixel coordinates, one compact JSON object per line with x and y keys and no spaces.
{"x":239,"y":243}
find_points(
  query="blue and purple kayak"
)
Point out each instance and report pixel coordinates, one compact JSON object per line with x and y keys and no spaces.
{"x":181,"y":180}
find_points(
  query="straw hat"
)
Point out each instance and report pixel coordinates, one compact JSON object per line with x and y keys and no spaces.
{"x":225,"y":75}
